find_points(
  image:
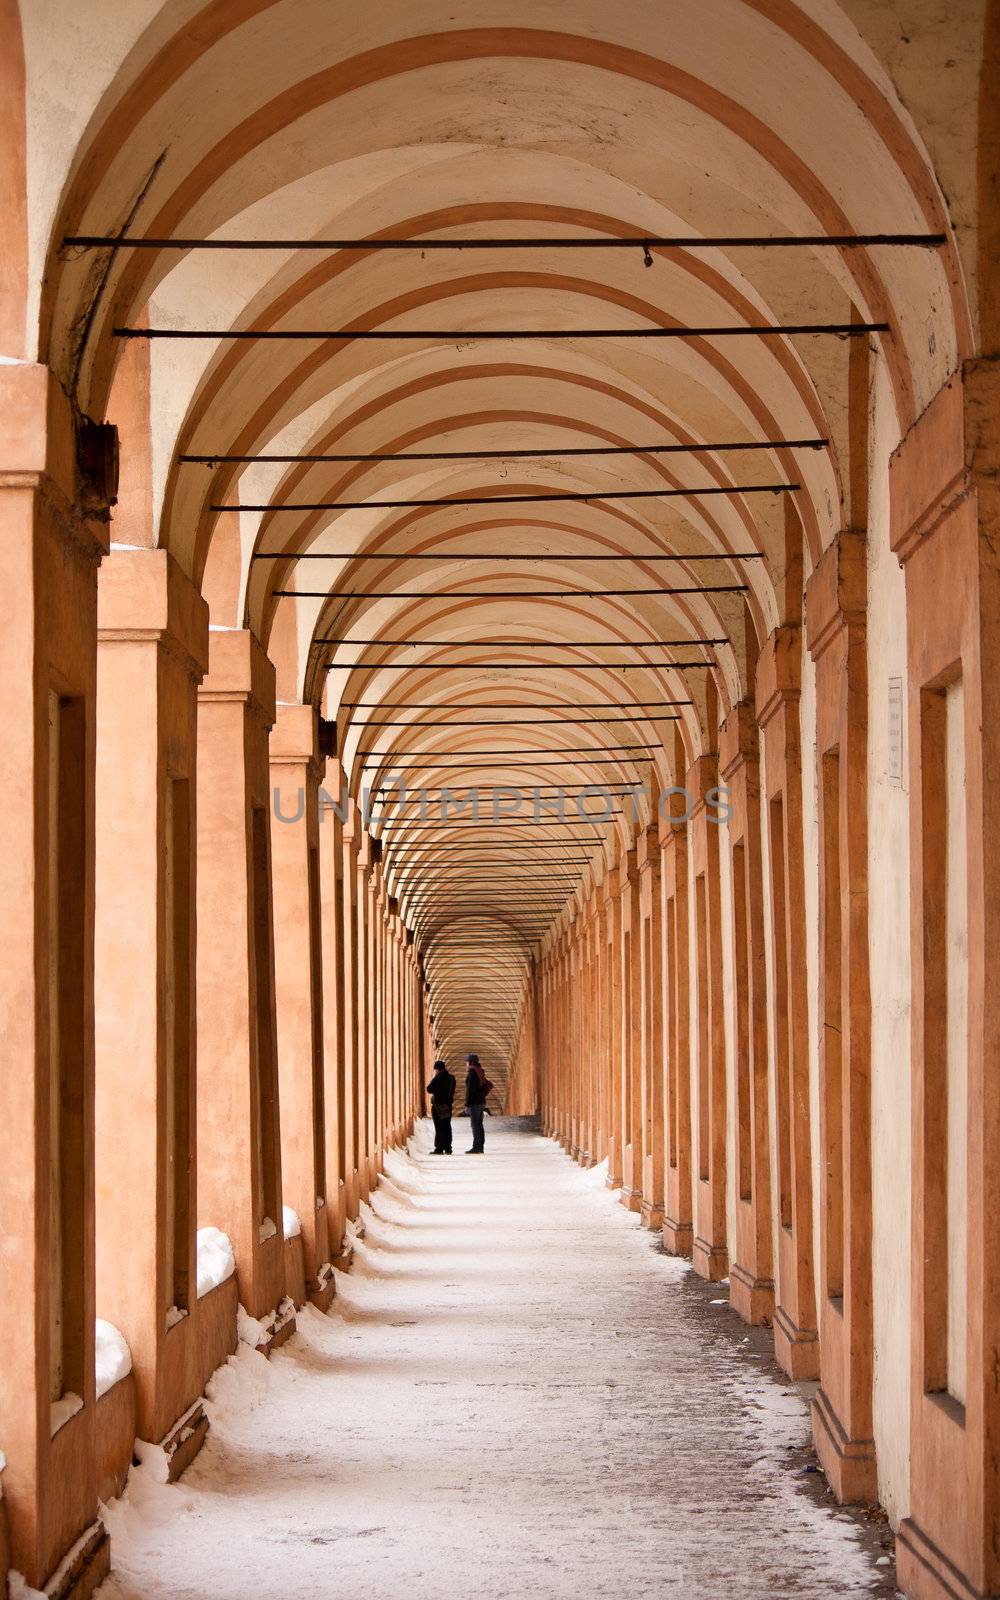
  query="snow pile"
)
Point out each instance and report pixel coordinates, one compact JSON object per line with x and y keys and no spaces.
{"x":62,"y":1409}
{"x":290,"y":1222}
{"x":596,"y":1177}
{"x":112,"y":1356}
{"x":149,"y":1512}
{"x":18,"y":1588}
{"x":175,"y":1315}
{"x":216,"y":1261}
{"x":153,"y":1459}
{"x":256,"y":1331}
{"x":251,"y":1330}
{"x":238,"y":1387}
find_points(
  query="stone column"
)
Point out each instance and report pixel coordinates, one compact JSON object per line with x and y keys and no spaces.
{"x":375,"y":929}
{"x":710,"y":1254}
{"x":945,"y":529}
{"x":363,"y":1000}
{"x":298,"y":977}
{"x":590,"y":1013}
{"x":613,"y":1042}
{"x":336,"y":1092}
{"x":843,"y":1417}
{"x":152,"y":653}
{"x":239,"y":1142}
{"x":392,"y":1022}
{"x":796,"y":1342}
{"x":601,"y":1020}
{"x":571,"y":1038}
{"x":556,"y":1042}
{"x":751,"y":1274}
{"x":651,"y":986}
{"x":351,"y":1031}
{"x":574,"y":1055}
{"x":52,"y":509}
{"x":678,"y":1223}
{"x":630,"y":935}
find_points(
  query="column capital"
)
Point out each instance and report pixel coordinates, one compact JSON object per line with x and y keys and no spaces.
{"x":70,"y":460}
{"x":779,"y":672}
{"x":946,"y":456}
{"x":702,"y":778}
{"x":738,"y":739}
{"x":239,"y":670}
{"x":626,"y":872}
{"x":648,"y":850}
{"x":144,"y":597}
{"x":295,"y":738}
{"x":352,"y":826}
{"x":837,"y":591}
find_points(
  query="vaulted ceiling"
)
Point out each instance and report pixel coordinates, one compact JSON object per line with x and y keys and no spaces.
{"x":513,"y":641}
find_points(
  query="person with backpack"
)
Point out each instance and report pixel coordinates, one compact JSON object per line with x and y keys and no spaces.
{"x":477,"y":1087}
{"x":442,"y":1092}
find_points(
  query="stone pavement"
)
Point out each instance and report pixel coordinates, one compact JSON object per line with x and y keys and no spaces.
{"x":517,"y":1393}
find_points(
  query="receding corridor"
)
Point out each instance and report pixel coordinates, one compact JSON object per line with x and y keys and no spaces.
{"x":516,"y":1393}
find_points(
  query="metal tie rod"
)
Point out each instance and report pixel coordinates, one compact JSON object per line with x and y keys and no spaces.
{"x":501,"y":594}
{"x":581,"y":758}
{"x":614,"y":787}
{"x":521,"y":750}
{"x":310,"y":458}
{"x":499,"y":705}
{"x":517,"y":722}
{"x":529,"y":644}
{"x":512,"y":666}
{"x":578,"y":496}
{"x":733,"y":241}
{"x":761,"y":330}
{"x":476,"y":555}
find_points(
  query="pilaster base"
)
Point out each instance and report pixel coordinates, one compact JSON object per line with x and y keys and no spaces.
{"x":752,"y":1298}
{"x":710,"y":1261}
{"x":678,"y":1237}
{"x":84,"y":1568}
{"x":652,"y":1215}
{"x":185,"y":1439}
{"x":631,"y":1199}
{"x":849,"y":1464}
{"x":795,"y":1349}
{"x":323,"y":1289}
{"x":280,"y":1332}
{"x":924,"y":1572}
{"x":344,"y":1260}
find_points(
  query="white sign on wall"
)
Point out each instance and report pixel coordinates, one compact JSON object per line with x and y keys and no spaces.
{"x":896,"y":732}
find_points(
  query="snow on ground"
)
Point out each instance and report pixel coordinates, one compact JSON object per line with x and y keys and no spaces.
{"x":515,"y":1393}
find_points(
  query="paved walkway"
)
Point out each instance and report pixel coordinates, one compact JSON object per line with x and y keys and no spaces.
{"x":518,"y":1395}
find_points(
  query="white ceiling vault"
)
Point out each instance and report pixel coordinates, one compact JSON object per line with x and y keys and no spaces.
{"x":530,"y":121}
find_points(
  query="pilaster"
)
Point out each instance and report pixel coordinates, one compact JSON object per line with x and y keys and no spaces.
{"x":151,"y":656}
{"x":751,"y":1274}
{"x":796,"y":1342}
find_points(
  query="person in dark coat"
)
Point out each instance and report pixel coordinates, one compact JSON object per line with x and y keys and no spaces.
{"x":442,"y":1092}
{"x":477,"y":1087}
